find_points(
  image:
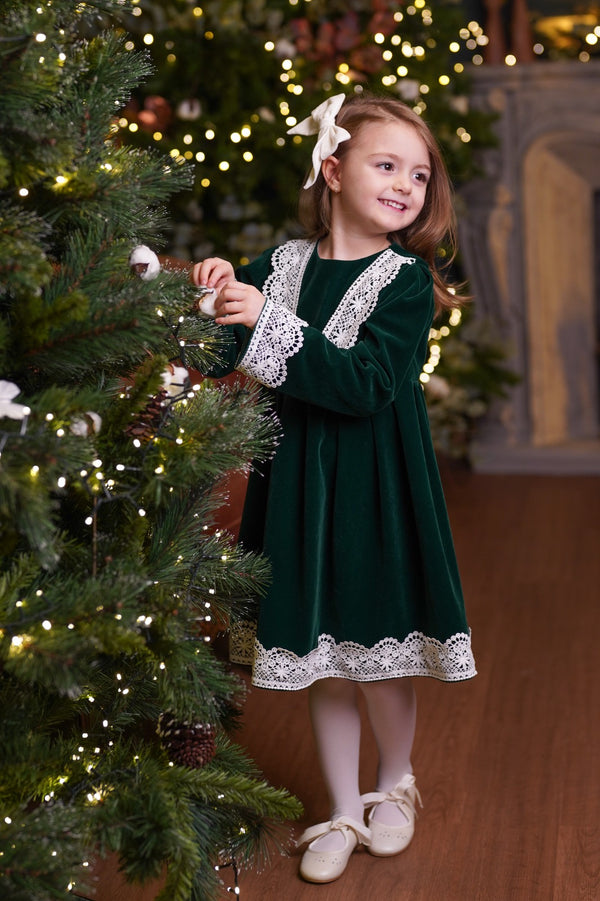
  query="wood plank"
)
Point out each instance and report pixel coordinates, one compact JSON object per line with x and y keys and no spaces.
{"x":507,"y":763}
{"x":504,"y":762}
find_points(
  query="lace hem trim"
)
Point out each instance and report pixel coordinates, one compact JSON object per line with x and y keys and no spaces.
{"x":277,"y":336}
{"x":416,"y":655}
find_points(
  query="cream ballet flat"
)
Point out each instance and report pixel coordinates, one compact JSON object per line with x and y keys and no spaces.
{"x":325,"y":866}
{"x":388,"y":840}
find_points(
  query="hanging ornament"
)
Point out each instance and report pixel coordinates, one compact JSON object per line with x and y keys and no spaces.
{"x":205,"y":301}
{"x":8,"y":390}
{"x":157,"y":113}
{"x":144,"y":262}
{"x":188,"y":744}
{"x":88,"y":424}
{"x":189,"y":110}
{"x":175,"y":379}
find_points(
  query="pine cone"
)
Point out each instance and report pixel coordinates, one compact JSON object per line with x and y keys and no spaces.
{"x":151,"y":418}
{"x":188,"y":744}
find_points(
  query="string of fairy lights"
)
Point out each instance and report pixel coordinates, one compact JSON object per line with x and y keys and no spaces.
{"x":89,"y":748}
{"x":470,"y":38}
{"x":104,"y":487}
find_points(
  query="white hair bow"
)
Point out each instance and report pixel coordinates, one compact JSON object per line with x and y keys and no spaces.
{"x":322,"y":122}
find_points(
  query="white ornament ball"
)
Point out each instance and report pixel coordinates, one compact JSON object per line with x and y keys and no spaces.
{"x":205,"y":302}
{"x":144,"y":262}
{"x":189,"y":110}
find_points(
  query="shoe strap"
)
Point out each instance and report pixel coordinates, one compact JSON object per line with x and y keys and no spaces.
{"x":404,"y":794}
{"x":362,"y":832}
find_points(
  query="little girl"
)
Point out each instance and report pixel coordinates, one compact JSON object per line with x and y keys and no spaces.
{"x":365,"y":588}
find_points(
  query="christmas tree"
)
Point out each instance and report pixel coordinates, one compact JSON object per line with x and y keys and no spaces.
{"x":115,"y":712}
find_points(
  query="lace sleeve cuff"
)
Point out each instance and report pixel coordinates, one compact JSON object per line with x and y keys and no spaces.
{"x":276,"y":337}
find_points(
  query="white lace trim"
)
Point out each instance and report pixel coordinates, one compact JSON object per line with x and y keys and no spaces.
{"x":288,"y":263}
{"x":277,"y":336}
{"x":361,"y":298}
{"x":241,"y":642}
{"x":417,"y":655}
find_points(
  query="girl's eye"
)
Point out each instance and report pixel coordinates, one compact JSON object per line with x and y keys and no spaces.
{"x":387,"y":167}
{"x":421,"y":177}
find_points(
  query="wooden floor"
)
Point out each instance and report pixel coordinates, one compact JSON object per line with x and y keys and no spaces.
{"x":508,"y":764}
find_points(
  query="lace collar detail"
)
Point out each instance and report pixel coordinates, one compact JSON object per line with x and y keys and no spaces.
{"x":284,"y":283}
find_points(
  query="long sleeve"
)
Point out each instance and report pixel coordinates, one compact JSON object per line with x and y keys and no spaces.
{"x":237,"y":337}
{"x":287,"y":354}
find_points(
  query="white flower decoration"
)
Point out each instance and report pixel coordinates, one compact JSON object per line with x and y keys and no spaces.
{"x":8,"y":390}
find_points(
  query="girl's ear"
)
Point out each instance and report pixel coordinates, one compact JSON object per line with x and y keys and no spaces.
{"x":331,"y":169}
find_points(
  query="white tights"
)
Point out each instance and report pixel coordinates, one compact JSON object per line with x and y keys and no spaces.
{"x":335,"y":717}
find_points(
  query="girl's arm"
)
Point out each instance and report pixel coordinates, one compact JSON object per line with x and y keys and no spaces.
{"x":287,"y":354}
{"x":237,"y":304}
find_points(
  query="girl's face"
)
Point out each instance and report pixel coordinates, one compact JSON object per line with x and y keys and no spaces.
{"x":379,"y":185}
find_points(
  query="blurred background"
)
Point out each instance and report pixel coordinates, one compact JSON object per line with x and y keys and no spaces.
{"x":510,"y":88}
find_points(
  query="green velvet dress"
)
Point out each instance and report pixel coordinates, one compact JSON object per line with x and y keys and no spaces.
{"x":350,"y":511}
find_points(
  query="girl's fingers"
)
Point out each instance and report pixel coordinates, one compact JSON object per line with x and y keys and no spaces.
{"x":239,"y":303}
{"x":212,"y":272}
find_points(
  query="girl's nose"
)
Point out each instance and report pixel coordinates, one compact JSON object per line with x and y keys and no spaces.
{"x":403,"y":184}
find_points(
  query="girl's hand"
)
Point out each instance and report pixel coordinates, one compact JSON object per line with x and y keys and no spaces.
{"x":239,"y":304}
{"x":212,"y":273}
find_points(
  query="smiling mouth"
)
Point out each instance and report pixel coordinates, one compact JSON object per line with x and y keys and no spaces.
{"x":394,"y":205}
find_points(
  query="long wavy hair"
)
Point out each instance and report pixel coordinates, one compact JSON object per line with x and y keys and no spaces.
{"x":432,"y":235}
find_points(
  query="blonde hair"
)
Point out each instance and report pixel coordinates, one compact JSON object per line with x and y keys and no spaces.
{"x":434,"y":227}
